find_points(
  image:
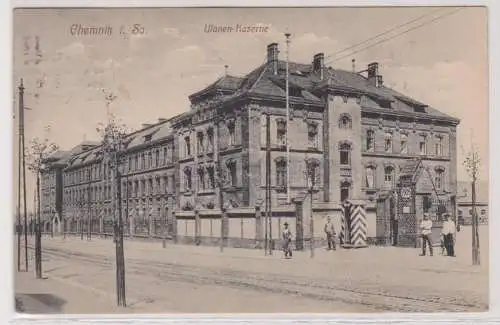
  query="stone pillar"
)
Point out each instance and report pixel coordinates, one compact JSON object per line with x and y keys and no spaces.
{"x":151,"y":221}
{"x":174,"y":228}
{"x":132,"y":225}
{"x":170,"y":216}
{"x":197,"y":227}
{"x":299,"y":223}
{"x":101,"y":225}
{"x":258,"y":227}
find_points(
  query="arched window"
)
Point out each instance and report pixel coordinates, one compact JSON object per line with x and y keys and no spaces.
{"x":281,"y":131}
{"x":344,"y":191}
{"x":370,"y":140}
{"x":404,"y":144}
{"x":231,"y":129}
{"x":281,"y":173}
{"x":312,"y":166}
{"x":345,"y":153}
{"x":388,"y":142}
{"x":231,"y":167}
{"x":389,"y":177}
{"x":187,"y":179}
{"x":439,"y":178}
{"x":201,"y":178}
{"x":345,"y":121}
{"x":370,"y":172}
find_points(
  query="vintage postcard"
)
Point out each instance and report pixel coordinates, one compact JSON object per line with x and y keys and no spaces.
{"x":250,"y":160}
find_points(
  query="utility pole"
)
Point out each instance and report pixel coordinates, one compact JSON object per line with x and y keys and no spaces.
{"x":22,"y":171}
{"x":287,"y":35}
{"x":89,"y":219}
{"x":38,"y":232}
{"x":220,"y":184}
{"x":269,"y":233}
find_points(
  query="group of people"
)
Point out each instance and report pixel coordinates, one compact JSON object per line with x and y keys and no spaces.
{"x":329,"y":232}
{"x":447,"y":235}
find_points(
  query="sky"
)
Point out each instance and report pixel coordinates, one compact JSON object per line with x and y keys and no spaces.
{"x":442,"y":63}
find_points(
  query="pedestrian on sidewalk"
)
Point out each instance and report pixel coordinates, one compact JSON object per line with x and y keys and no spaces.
{"x":448,"y":233}
{"x":287,"y":241}
{"x":330,"y":234}
{"x":426,"y":229}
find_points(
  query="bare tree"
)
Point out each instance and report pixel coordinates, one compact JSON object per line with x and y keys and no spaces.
{"x":39,"y":151}
{"x":113,"y":136}
{"x":472,"y":163}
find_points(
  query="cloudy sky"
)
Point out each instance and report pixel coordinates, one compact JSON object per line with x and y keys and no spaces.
{"x":442,"y":63}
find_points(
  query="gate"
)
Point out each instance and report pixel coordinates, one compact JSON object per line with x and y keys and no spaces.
{"x":406,"y":213}
{"x":387,"y":223}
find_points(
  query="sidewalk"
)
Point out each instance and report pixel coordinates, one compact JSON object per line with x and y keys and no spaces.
{"x":57,"y":296}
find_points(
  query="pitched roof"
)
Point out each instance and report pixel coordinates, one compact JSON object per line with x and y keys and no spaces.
{"x":263,"y":81}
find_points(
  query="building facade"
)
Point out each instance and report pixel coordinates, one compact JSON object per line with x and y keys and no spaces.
{"x":349,"y":136}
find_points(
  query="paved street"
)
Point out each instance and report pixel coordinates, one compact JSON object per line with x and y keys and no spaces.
{"x":202,"y":279}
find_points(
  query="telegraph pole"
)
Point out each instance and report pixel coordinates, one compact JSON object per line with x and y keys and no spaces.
{"x":268,"y":183}
{"x":89,"y":219}
{"x":287,"y":35}
{"x":22,"y":161}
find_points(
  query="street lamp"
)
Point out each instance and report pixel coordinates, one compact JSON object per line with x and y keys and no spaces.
{"x":310,"y":174}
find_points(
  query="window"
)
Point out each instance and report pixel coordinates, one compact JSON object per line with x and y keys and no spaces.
{"x":389,"y":176}
{"x":165,"y":184}
{"x":281,"y":132}
{"x":344,"y":191}
{"x":143,"y":161}
{"x":422,"y":144}
{"x":281,"y":173}
{"x":345,"y":122}
{"x":404,"y":144}
{"x":438,"y":146}
{"x":210,"y":139}
{"x":165,"y":156}
{"x":345,"y":153}
{"x":157,"y":157}
{"x":388,"y":142}
{"x":136,"y":167}
{"x":211,"y":177}
{"x":158,"y":185}
{"x":312,"y":173}
{"x":187,"y":179}
{"x":150,"y":159}
{"x":370,"y":140}
{"x":201,"y":179}
{"x":201,"y":144}
{"x":370,"y":177}
{"x":312,"y":135}
{"x":231,"y":166}
{"x":187,"y":146}
{"x":231,"y":129}
{"x":439,"y":179}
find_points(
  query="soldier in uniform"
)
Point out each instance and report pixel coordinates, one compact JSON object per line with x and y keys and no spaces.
{"x":330,"y":234}
{"x":287,"y":240}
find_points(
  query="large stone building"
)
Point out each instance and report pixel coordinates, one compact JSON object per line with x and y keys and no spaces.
{"x":353,"y":134}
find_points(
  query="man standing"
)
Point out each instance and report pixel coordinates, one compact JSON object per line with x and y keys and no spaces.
{"x":330,"y":234}
{"x":287,"y":241}
{"x":448,"y":233}
{"x":426,"y":228}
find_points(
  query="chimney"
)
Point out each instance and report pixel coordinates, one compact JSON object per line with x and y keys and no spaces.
{"x":372,"y":73}
{"x":272,"y":56}
{"x":380,"y":81}
{"x":161,"y":120}
{"x":318,"y":64}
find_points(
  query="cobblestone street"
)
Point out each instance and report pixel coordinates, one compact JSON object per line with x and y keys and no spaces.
{"x":202,"y":279}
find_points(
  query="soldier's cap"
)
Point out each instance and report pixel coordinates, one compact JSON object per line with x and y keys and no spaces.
{"x":286,"y":223}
